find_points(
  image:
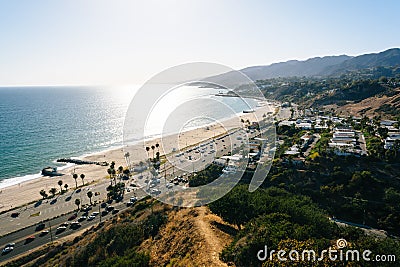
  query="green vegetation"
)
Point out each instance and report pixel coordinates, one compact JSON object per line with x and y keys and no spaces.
{"x":279,"y":219}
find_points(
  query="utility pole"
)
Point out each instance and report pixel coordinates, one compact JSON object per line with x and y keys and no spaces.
{"x":100,"y":213}
{"x":51,"y":234}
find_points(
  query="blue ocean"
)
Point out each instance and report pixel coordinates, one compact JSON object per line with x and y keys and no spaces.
{"x":41,"y":124}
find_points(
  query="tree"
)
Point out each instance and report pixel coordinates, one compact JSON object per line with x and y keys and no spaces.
{"x":75,"y":176}
{"x":152,"y":148}
{"x":60,"y":183}
{"x":147,"y":150}
{"x":83,"y":177}
{"x":77,"y":202}
{"x":53,"y":191}
{"x":66,"y":187}
{"x":158,"y":147}
{"x":120,"y":169}
{"x":90,"y":195}
{"x":43,"y":193}
{"x":127,"y":159}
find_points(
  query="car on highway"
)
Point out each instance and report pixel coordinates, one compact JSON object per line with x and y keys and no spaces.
{"x":60,"y":229}
{"x":75,"y":225}
{"x":9,"y":245}
{"x":7,"y":250}
{"x":44,"y":232}
{"x":40,"y":226}
{"x":29,"y":239}
{"x":72,"y":217}
{"x":82,"y":218}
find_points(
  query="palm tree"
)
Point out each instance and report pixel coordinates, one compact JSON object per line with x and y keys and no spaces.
{"x":147,"y":149}
{"x":153,"y":147}
{"x":53,"y":191}
{"x":75,"y":176}
{"x":43,"y":193}
{"x":83,"y":177}
{"x":66,"y":187}
{"x":127,"y":159}
{"x":158,"y":147}
{"x":78,"y":202}
{"x":90,"y":195}
{"x":113,"y":174}
{"x":109,"y":171}
{"x":60,"y":183}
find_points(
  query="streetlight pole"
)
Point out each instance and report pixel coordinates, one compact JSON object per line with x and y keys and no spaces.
{"x":51,"y":234}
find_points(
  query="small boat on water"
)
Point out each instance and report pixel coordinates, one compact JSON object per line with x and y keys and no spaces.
{"x":51,"y":171}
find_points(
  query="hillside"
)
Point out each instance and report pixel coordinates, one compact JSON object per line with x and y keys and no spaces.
{"x":327,"y":66}
{"x":149,"y":234}
{"x":384,"y":105}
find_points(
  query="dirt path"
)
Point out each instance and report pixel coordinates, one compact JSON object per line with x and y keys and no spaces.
{"x":212,"y":237}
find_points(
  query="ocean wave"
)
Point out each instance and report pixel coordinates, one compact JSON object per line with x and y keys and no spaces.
{"x":16,"y":180}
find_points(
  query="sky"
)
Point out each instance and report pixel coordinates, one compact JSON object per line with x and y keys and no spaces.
{"x":98,"y":42}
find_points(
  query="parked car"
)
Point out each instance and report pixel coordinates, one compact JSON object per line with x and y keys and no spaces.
{"x":104,"y":213}
{"x":14,"y":214}
{"x":91,"y":217}
{"x":110,"y":208}
{"x":115,"y":211}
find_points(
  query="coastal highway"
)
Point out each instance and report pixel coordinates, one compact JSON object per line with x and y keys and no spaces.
{"x":19,"y":237}
{"x":194,"y":160}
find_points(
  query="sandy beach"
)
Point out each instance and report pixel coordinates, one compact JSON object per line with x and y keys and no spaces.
{"x":28,"y":191}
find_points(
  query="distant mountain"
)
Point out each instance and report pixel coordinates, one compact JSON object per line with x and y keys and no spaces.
{"x":309,"y":67}
{"x":318,"y":66}
{"x":388,"y":58}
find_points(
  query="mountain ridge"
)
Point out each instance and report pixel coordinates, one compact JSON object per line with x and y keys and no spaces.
{"x":326,"y":66}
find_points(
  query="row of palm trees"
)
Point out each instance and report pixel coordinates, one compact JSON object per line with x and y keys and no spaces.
{"x":113,"y":173}
{"x":53,"y":190}
{"x":75,"y":176}
{"x":153,"y":147}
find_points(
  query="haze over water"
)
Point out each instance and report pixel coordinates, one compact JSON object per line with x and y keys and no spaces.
{"x":40,"y":124}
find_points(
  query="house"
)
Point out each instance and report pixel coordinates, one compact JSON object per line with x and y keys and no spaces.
{"x":391,"y":140}
{"x":386,"y":123}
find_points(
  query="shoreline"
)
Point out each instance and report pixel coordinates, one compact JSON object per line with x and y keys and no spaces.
{"x":18,"y":194}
